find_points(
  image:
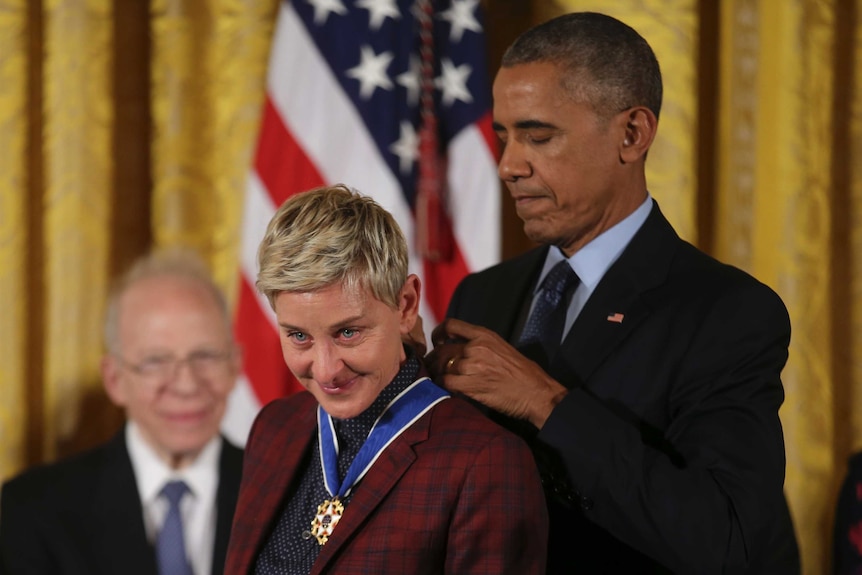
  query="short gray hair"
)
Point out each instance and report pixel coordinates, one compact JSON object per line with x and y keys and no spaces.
{"x":175,"y":262}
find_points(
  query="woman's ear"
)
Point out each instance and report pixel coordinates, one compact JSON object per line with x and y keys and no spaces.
{"x":408,"y":303}
{"x":412,"y":332}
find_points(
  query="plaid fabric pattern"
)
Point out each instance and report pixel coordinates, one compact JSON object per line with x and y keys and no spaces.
{"x":455,"y":493}
{"x":288,"y":550}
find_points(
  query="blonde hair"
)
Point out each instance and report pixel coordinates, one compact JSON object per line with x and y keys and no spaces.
{"x":177,"y":262}
{"x":328,"y":235}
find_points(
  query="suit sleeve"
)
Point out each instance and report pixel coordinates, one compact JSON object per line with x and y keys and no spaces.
{"x":500,"y":525}
{"x":703,"y":503}
{"x":23,"y":549}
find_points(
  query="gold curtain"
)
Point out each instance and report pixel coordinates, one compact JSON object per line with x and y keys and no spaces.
{"x":851,"y":176}
{"x":787,"y":78}
{"x":53,"y":262}
{"x":208,"y":74}
{"x":75,"y":206}
{"x":130,"y":124}
{"x":14,"y":329}
{"x":123,"y":125}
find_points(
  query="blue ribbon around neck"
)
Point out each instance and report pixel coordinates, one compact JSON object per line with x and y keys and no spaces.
{"x":400,"y":414}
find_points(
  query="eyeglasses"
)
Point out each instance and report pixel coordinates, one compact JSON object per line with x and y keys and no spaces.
{"x":205,"y":364}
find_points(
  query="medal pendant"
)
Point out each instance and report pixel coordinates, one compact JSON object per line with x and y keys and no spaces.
{"x":328,"y":515}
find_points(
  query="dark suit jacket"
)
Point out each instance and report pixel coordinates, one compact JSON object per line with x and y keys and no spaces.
{"x":667,"y":454}
{"x":847,"y":534}
{"x":454,"y":493}
{"x":82,"y":516}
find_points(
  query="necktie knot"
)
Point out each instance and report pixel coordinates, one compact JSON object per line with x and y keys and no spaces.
{"x":545,"y":324}
{"x":173,"y":491}
{"x":559,"y":279}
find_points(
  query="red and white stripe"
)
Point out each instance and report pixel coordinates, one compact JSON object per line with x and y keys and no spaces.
{"x":311,"y":136}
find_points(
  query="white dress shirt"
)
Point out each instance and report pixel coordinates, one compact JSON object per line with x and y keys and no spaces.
{"x":198,"y":506}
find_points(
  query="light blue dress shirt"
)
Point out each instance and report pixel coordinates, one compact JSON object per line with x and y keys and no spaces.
{"x":592,"y":261}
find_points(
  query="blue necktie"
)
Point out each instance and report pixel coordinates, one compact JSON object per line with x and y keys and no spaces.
{"x":545,"y":324}
{"x":170,"y":547}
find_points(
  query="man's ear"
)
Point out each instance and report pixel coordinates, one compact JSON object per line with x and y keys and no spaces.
{"x":112,"y":380}
{"x":236,"y":358}
{"x":639,"y":131}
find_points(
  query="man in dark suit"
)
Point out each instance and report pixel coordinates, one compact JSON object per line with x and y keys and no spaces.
{"x":171,"y":364}
{"x":374,"y":470}
{"x":645,"y":374}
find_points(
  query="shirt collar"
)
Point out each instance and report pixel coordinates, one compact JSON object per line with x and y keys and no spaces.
{"x":361,"y":425}
{"x":151,"y":473}
{"x":592,"y":261}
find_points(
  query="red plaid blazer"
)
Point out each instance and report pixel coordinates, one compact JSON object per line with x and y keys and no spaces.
{"x":454,"y":493}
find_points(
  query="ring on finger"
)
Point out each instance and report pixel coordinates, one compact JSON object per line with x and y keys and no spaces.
{"x":450,"y":364}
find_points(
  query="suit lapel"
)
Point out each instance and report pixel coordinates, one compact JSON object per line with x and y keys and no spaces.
{"x":508,"y":304}
{"x":230,"y":470}
{"x":620,"y":301}
{"x":284,"y":453}
{"x":395,"y":460}
{"x":119,"y":537}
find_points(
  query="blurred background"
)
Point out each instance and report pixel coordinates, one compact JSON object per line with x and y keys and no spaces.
{"x":129,"y":124}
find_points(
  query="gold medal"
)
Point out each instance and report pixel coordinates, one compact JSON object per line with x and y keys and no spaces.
{"x":327,"y":517}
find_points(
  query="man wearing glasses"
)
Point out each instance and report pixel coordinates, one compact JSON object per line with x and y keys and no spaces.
{"x":159,"y":497}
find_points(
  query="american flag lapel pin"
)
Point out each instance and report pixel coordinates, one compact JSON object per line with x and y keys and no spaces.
{"x":616,"y":317}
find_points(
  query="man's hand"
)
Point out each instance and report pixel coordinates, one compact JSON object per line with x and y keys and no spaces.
{"x":478,"y":363}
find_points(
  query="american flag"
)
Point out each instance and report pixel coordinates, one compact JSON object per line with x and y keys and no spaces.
{"x":360,"y":93}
